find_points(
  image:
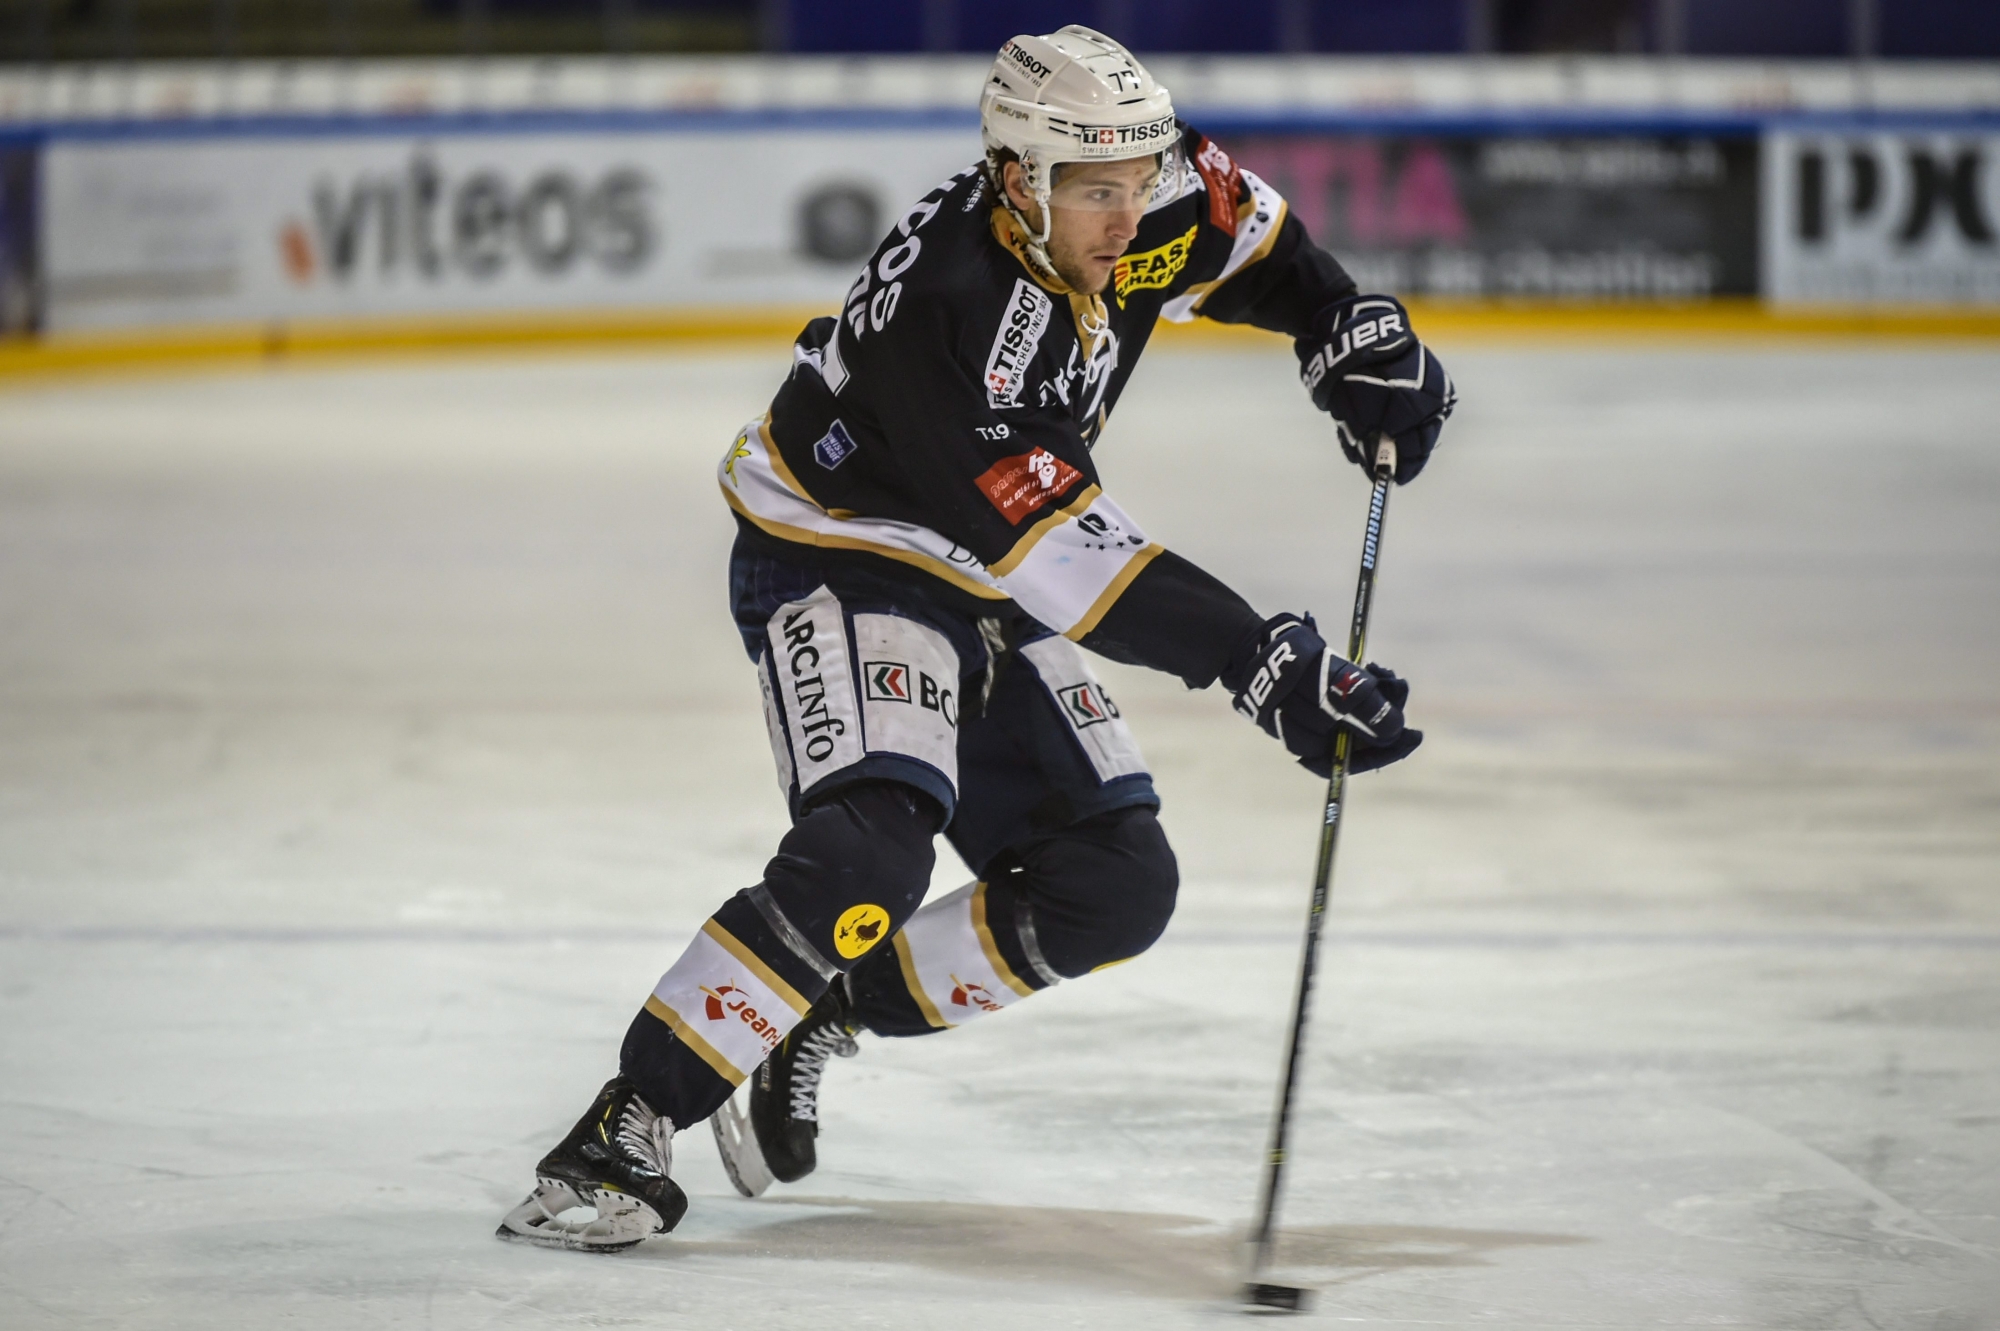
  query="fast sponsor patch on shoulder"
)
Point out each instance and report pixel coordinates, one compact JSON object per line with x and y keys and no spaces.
{"x":1019,"y":485}
{"x":1224,"y":179}
{"x":1014,"y":343}
{"x":1153,"y":268}
{"x":834,"y":447}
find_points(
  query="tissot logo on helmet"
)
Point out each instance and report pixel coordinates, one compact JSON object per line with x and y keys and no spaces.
{"x":1071,"y":96}
{"x":1035,"y":68}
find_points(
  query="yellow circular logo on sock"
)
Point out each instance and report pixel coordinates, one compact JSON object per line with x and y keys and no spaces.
{"x":859,"y":929}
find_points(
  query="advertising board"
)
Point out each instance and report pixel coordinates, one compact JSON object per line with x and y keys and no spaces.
{"x":324,"y":222}
{"x":190,"y":231}
{"x":1906,"y":217}
{"x":1517,"y":215}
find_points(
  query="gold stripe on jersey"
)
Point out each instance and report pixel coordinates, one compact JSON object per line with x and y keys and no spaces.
{"x":1075,"y":568}
{"x":1047,"y":523}
{"x":756,"y":483}
{"x":1102,"y":605}
{"x":1254,"y":240}
{"x":1066,"y":570}
{"x":782,"y":467}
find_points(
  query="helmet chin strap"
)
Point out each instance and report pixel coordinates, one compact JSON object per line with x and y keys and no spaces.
{"x":1035,"y":239}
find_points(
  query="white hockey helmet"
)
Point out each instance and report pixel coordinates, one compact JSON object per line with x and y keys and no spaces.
{"x":1074,"y":95}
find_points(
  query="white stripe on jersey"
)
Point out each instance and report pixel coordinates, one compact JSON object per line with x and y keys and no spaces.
{"x":1068,"y":573}
{"x":1065,"y":572}
{"x":758,"y":484}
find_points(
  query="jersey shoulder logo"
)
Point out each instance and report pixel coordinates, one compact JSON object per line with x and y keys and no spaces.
{"x":1224,"y":180}
{"x":834,"y":447}
{"x":1019,"y":485}
{"x":1015,"y":342}
{"x":1153,"y":268}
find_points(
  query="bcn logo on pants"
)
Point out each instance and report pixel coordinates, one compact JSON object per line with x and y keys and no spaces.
{"x":893,"y":681}
{"x":1087,"y":704}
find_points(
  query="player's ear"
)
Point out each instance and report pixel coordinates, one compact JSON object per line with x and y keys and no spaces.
{"x":1016,"y":184}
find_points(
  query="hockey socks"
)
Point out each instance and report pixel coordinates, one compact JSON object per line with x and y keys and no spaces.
{"x":1087,"y":896}
{"x":846,"y":877}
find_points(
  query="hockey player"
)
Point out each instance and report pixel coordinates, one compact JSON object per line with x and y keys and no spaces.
{"x":924,"y":549}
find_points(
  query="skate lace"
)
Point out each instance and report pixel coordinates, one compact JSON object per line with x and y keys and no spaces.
{"x":810,"y":1066}
{"x":647,"y":1136}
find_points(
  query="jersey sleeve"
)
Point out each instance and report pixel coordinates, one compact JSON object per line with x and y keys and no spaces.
{"x":1273,"y":276}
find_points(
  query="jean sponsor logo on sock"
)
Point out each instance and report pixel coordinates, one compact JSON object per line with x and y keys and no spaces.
{"x":729,"y":1003}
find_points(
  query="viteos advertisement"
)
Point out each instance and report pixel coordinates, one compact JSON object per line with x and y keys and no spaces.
{"x":1911,"y":217}
{"x":194,"y":231}
{"x":1597,"y":218}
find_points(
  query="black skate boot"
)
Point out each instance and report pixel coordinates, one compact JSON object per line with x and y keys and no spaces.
{"x":615,"y":1160}
{"x":784,"y":1092}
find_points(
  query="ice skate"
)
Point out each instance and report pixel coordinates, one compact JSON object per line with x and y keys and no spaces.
{"x":784,"y":1093}
{"x":605,"y":1186}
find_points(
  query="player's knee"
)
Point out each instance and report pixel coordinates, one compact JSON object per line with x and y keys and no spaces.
{"x":1138,"y":855}
{"x":854,"y":868}
{"x":1102,"y":891}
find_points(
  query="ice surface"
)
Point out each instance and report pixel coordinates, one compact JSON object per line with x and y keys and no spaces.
{"x":370,"y":738}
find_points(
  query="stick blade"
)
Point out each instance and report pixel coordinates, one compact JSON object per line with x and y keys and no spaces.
{"x":1278,"y":1298}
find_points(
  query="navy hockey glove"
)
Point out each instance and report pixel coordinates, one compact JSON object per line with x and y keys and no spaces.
{"x":1366,"y":369}
{"x":1298,"y":691}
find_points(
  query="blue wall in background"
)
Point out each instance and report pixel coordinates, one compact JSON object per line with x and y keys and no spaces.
{"x":1958,"y":29}
{"x":1769,"y":27}
{"x":1951,"y":29}
{"x":1415,"y":26}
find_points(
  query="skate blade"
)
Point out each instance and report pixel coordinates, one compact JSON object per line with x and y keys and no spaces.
{"x":550,"y":1218}
{"x":742,"y":1155}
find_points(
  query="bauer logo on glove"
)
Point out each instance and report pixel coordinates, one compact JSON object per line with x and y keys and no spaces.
{"x":1300,"y":693}
{"x":1272,"y":669}
{"x":1365,"y":368}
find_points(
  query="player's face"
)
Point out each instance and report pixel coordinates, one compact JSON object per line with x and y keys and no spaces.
{"x":1094,"y":213}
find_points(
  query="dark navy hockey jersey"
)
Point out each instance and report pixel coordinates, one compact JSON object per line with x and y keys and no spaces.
{"x":942,"y":425}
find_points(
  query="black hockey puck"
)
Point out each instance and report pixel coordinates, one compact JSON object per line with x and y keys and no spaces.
{"x":1279,"y":1298}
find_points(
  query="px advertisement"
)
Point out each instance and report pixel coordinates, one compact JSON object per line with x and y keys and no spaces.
{"x":189,"y":231}
{"x":1911,"y":217}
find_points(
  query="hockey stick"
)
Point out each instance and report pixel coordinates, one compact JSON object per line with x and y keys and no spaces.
{"x":1259,"y":1293}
